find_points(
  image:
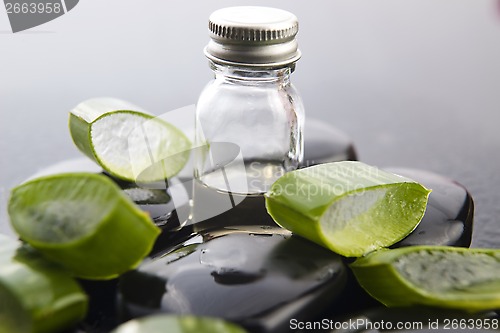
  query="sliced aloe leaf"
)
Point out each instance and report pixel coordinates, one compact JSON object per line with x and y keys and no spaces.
{"x":178,"y":324}
{"x":441,"y":276}
{"x":36,"y":295}
{"x":84,"y":222}
{"x":349,"y":207}
{"x":126,"y":142}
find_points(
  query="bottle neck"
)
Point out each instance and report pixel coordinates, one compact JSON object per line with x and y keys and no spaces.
{"x":250,"y":75}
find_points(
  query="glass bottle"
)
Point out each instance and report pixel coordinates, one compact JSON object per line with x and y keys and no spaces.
{"x":249,"y":118}
{"x":237,"y":264}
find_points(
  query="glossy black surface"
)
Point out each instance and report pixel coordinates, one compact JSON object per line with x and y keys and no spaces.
{"x":156,"y":200}
{"x":101,"y":316}
{"x":259,"y":276}
{"x":250,"y":211}
{"x":449,"y":216}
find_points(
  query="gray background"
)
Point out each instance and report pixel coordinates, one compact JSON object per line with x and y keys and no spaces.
{"x":415,"y":83}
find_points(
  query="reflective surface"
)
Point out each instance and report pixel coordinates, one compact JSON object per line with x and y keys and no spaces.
{"x":260,"y":278}
{"x":101,"y":316}
{"x":449,"y":216}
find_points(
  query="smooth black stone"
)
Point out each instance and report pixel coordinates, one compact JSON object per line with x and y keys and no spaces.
{"x":260,"y":277}
{"x":101,"y":316}
{"x":324,"y":143}
{"x":156,"y":200}
{"x":159,"y":205}
{"x":448,"y":219}
{"x":250,"y":211}
{"x":352,"y":299}
{"x":421,"y":319}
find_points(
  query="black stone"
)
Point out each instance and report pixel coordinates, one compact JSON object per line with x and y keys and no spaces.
{"x":448,"y":219}
{"x":158,"y":203}
{"x":259,"y":277}
{"x":101,"y":316}
{"x":352,"y":299}
{"x":155,"y":199}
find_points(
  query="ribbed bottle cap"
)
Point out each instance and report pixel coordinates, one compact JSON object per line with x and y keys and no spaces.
{"x":253,"y":36}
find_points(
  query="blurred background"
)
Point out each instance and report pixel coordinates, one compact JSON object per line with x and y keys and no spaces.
{"x":414,"y":83}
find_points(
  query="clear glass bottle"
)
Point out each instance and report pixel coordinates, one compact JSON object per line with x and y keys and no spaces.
{"x":238,"y":265}
{"x":249,"y":118}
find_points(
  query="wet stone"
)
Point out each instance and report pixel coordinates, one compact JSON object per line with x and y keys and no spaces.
{"x":156,"y":200}
{"x":258,"y":276}
{"x":352,"y":299}
{"x":448,"y":219}
{"x":101,"y":316}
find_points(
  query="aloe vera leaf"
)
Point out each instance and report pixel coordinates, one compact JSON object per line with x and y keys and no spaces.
{"x":440,"y":276}
{"x":84,"y":222}
{"x":349,"y":207}
{"x":178,"y":324}
{"x":128,"y":143}
{"x":35,"y":294}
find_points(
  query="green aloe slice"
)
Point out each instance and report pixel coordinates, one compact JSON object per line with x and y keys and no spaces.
{"x":449,"y":277}
{"x":36,"y":296}
{"x":84,"y":222}
{"x":178,"y":324}
{"x":127,"y":143}
{"x":348,"y":207}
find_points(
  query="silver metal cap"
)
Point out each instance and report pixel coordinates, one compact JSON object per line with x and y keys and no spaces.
{"x":253,"y":36}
